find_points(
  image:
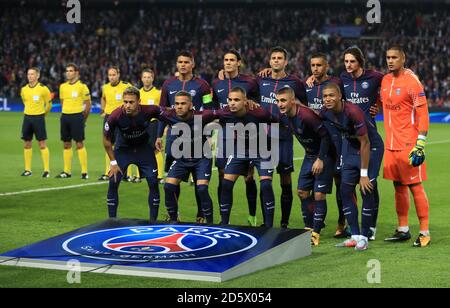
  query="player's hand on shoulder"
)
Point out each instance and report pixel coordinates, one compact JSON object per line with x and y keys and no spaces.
{"x":252,"y":104}
{"x":221,"y":74}
{"x":310,"y":81}
{"x":266,"y":72}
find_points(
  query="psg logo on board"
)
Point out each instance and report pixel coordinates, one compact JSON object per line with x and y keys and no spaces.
{"x":161,"y":243}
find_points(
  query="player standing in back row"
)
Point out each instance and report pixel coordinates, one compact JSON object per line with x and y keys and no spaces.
{"x":221,"y":88}
{"x":201,"y":99}
{"x":268,"y":86}
{"x":406,"y":122}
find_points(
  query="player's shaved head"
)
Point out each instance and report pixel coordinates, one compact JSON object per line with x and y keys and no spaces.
{"x":285,"y":98}
{"x":397,"y":48}
{"x":319,"y":55}
{"x":286,"y":90}
{"x":184,"y":94}
{"x":332,"y":85}
{"x":239,"y":90}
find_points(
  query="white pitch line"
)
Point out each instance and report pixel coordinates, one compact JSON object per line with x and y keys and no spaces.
{"x":99,"y":183}
{"x":49,"y":189}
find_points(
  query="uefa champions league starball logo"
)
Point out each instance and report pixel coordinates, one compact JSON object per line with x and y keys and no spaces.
{"x":160,"y":243}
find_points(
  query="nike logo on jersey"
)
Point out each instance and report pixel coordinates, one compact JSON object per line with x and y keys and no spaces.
{"x":270,"y":171}
{"x":309,"y":90}
{"x":172,"y":92}
{"x":155,"y":170}
{"x":413,"y":177}
{"x":220,"y":90}
{"x":266,"y":84}
{"x":346,"y":85}
{"x":321,"y":186}
{"x":207,"y":174}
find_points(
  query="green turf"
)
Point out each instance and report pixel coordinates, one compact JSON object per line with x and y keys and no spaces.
{"x":28,"y":218}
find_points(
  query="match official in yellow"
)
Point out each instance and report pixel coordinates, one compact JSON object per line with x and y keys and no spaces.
{"x":76,"y":106}
{"x":150,"y":95}
{"x":112,"y":97}
{"x":37,"y":100}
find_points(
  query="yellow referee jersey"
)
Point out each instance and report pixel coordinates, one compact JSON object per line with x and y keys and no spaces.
{"x":36,"y":99}
{"x":113,"y":95}
{"x":150,"y":97}
{"x":73,"y":96}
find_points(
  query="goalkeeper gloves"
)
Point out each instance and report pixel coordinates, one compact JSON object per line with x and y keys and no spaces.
{"x":417,"y":154}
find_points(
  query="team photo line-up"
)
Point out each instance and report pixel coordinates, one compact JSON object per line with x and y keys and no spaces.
{"x":332,"y":118}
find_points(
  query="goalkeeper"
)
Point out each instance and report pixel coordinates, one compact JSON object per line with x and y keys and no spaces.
{"x":406,"y":124}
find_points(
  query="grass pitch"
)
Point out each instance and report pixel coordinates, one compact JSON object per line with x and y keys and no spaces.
{"x":26,"y":218}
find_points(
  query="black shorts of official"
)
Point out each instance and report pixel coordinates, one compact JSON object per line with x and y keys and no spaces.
{"x":143,"y":157}
{"x":34,"y":124}
{"x":72,"y":127}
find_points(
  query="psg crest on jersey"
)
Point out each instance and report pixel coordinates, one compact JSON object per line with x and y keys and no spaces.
{"x":365,"y":85}
{"x":159,"y":243}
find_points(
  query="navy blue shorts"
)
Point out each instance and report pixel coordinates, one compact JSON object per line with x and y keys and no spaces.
{"x":143,"y":157}
{"x":72,"y":127}
{"x":318,"y":183}
{"x":34,"y":124}
{"x":351,"y":168}
{"x":199,"y":167}
{"x":286,"y":158}
{"x":241,"y":166}
{"x":221,"y":153}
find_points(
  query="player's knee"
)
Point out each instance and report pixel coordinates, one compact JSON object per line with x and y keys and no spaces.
{"x":347,"y":191}
{"x":320,"y":196}
{"x":285,"y":179}
{"x":249,"y":178}
{"x":266,"y":184}
{"x":227,"y":185}
{"x":303,"y":194}
{"x":170,"y":188}
{"x":202,"y":189}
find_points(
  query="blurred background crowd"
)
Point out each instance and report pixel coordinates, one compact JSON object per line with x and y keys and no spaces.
{"x":150,"y":35}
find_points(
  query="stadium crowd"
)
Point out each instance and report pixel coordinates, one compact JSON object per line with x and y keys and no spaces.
{"x":136,"y":38}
